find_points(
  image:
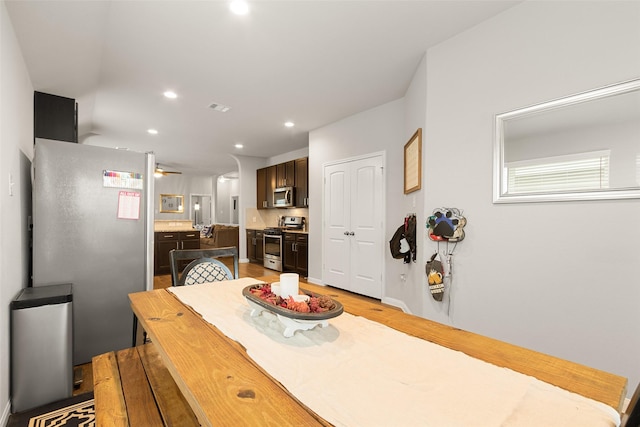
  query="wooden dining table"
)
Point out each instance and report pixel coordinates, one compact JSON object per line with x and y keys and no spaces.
{"x":225,"y":386}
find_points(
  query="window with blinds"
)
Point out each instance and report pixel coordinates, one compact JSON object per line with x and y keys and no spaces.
{"x":576,"y":172}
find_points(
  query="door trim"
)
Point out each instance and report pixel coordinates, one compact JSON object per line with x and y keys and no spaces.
{"x":383,"y":219}
{"x":382,"y":154}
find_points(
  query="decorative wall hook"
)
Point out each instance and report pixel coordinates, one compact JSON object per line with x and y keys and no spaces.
{"x":446,"y":225}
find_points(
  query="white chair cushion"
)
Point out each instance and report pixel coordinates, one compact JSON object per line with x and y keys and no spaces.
{"x":205,"y":272}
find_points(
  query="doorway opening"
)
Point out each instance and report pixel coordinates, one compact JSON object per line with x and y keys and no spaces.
{"x":200,"y":210}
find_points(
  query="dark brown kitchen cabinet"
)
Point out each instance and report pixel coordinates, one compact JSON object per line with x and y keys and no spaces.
{"x":166,"y":241}
{"x":255,"y":246}
{"x":286,"y":174}
{"x":294,"y":173}
{"x":302,"y":182}
{"x":265,"y":184}
{"x":190,"y":240}
{"x":296,"y":253}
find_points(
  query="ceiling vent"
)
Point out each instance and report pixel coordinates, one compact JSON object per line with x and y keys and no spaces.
{"x":219,"y":107}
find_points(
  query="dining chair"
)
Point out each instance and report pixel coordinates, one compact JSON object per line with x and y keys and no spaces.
{"x":631,"y":416}
{"x":204,"y":267}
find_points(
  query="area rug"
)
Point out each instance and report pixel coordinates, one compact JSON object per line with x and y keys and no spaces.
{"x":77,"y":411}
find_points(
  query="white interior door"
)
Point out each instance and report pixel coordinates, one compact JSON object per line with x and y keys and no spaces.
{"x":337,"y":209}
{"x":353,"y":213}
{"x":366,"y":227}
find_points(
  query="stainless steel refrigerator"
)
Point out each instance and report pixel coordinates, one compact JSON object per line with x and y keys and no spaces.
{"x":93,"y":228}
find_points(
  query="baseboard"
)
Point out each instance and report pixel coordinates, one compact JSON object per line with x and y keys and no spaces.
{"x":315,"y":281}
{"x":397,"y":303}
{"x":4,"y":419}
{"x":243,"y":260}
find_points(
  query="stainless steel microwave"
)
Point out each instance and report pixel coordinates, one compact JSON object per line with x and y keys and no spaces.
{"x":284,"y":197}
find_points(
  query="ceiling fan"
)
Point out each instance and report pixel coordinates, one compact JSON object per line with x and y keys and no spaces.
{"x":159,"y":171}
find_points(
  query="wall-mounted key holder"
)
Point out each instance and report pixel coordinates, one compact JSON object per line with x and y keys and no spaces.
{"x":446,"y":225}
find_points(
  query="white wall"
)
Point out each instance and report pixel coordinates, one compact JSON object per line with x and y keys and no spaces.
{"x":561,"y":278}
{"x":247,"y":166}
{"x":224,"y":208}
{"x":291,"y":155}
{"x":375,"y":130}
{"x":185,"y":185}
{"x":409,"y":290}
{"x":543,"y":275}
{"x":16,"y":152}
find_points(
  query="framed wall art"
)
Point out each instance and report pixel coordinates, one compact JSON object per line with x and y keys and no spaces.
{"x":413,"y":163}
{"x":171,"y":203}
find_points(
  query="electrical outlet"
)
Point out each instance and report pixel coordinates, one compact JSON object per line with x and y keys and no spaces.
{"x":403,"y":277}
{"x":254,"y":219}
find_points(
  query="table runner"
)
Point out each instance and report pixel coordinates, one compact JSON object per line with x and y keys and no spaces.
{"x":357,"y":372}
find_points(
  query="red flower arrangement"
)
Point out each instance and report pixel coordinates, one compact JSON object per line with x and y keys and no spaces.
{"x":314,"y":304}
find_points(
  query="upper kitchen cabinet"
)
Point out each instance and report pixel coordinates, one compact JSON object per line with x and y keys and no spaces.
{"x":265,"y":184}
{"x":55,"y":117}
{"x":294,"y":173}
{"x":286,"y":174}
{"x":302,"y":182}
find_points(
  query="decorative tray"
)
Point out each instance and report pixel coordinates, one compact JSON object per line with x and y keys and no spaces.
{"x":291,"y":319}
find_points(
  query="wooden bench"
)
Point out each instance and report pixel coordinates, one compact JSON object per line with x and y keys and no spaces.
{"x":132,"y":387}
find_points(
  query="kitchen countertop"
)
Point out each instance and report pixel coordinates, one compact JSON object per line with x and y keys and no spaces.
{"x":284,"y":230}
{"x":173,"y":226}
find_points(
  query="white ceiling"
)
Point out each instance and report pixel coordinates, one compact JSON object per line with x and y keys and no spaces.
{"x":311,"y":62}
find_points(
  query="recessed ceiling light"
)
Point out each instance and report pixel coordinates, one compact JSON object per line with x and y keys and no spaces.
{"x":152,"y":131}
{"x":170,"y":94}
{"x":239,"y":7}
{"x":122,"y":148}
{"x":289,"y":124}
{"x":238,"y":145}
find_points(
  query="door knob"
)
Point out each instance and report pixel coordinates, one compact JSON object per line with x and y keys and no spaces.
{"x":346,"y":233}
{"x":352,"y":234}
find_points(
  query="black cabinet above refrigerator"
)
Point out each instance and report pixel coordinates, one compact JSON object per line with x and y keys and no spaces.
{"x":55,"y":117}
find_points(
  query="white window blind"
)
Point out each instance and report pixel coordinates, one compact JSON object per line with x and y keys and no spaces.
{"x":576,"y":172}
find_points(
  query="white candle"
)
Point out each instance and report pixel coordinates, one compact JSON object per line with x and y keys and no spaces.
{"x":275,"y":288}
{"x":289,"y":284}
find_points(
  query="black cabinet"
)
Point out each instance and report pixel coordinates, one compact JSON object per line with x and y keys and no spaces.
{"x":294,"y":173}
{"x":166,"y":241}
{"x":190,"y":240}
{"x":302,"y":182}
{"x":255,"y":246}
{"x":286,"y":174}
{"x":296,"y":253}
{"x":265,"y":184}
{"x":55,"y":117}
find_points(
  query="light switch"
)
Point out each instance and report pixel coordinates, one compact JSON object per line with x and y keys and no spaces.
{"x":11,"y":183}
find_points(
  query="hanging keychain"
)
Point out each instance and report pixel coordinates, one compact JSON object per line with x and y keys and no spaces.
{"x":444,"y":225}
{"x":447,"y":262}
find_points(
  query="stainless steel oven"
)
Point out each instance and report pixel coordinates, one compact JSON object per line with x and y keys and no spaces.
{"x":273,"y":249}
